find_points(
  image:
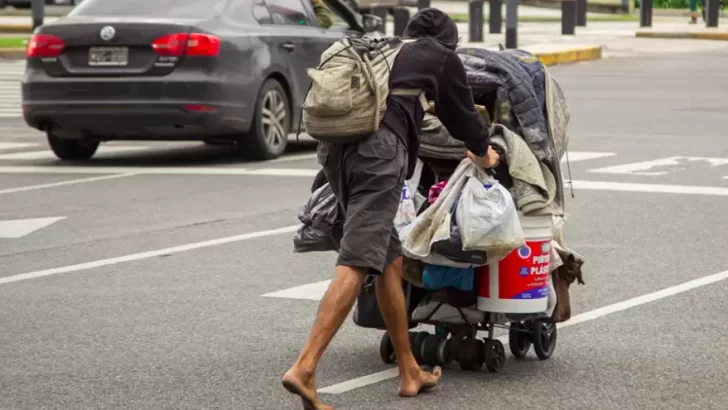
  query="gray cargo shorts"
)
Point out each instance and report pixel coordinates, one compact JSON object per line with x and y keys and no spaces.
{"x":367,"y":177}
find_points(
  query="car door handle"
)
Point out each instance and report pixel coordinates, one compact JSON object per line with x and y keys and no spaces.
{"x":289,"y":46}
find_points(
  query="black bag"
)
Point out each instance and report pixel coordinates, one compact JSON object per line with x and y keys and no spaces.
{"x":322,"y":227}
{"x":367,"y":313}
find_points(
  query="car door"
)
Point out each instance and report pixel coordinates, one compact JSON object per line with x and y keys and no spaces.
{"x":340,"y":28}
{"x":299,"y":36}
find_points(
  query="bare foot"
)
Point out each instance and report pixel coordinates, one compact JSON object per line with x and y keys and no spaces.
{"x":422,"y":381}
{"x":303,"y":384}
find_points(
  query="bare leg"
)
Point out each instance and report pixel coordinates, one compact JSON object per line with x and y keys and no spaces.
{"x":333,"y":309}
{"x":392,"y":305}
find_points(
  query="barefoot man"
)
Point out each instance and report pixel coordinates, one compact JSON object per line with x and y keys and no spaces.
{"x":367,"y":178}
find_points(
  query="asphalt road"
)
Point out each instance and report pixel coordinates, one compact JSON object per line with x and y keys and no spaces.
{"x":107,"y":309}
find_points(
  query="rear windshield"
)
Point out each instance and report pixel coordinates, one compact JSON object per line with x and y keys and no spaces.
{"x":150,"y":8}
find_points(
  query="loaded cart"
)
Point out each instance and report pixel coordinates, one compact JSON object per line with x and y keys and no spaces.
{"x":457,"y":320}
{"x":513,"y":294}
{"x":482,"y":251}
{"x":468,"y":295}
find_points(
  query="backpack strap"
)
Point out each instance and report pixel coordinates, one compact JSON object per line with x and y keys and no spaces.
{"x":413,"y":92}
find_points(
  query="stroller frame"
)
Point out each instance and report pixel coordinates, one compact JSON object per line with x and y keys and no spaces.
{"x":459,"y":341}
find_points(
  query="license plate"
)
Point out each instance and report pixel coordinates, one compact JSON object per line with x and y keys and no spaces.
{"x":108,"y":56}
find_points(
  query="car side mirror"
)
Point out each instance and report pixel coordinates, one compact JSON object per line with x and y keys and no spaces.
{"x":372,"y":23}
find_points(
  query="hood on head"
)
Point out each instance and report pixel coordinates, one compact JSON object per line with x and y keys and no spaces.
{"x":431,"y":22}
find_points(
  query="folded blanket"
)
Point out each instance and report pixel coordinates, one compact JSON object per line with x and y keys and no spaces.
{"x":534,"y":186}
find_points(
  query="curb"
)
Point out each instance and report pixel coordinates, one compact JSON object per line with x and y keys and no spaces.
{"x":674,"y":12}
{"x":550,"y":55}
{"x":694,"y":35}
{"x":569,"y":56}
{"x":12,"y":53}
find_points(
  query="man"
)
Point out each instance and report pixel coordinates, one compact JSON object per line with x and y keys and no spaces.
{"x":367,"y":178}
{"x":323,"y":14}
{"x":693,"y":5}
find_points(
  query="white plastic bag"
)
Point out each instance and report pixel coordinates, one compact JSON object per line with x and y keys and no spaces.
{"x":487,"y":217}
{"x":433,"y":225}
{"x":406,"y":213}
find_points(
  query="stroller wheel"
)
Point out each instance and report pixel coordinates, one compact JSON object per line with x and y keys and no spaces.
{"x":417,"y":345}
{"x":519,"y":339}
{"x":430,"y":350}
{"x":412,"y":338}
{"x":544,"y":339}
{"x":471,"y":354}
{"x":386,"y":349}
{"x":444,"y":352}
{"x":495,"y":355}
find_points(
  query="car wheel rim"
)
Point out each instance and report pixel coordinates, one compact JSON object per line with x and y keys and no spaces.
{"x":273,"y":119}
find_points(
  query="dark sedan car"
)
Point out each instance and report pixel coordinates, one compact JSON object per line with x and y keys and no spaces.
{"x":25,"y":4}
{"x":219,"y":71}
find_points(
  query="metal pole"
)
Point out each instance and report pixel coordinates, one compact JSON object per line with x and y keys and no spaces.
{"x":476,"y":20}
{"x":581,"y":13}
{"x":495,"y":16}
{"x":37,"y":12}
{"x":511,"y":23}
{"x":711,"y":13}
{"x":423,"y":4}
{"x":645,"y":13}
{"x":401,"y":17}
{"x":568,"y":17}
{"x":382,"y":13}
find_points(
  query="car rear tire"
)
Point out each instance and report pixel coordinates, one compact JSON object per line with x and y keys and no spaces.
{"x":72,"y":150}
{"x":268,"y":137}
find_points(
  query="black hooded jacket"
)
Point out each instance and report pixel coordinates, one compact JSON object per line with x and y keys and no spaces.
{"x":430,"y":64}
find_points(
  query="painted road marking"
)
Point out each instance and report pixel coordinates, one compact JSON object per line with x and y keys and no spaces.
{"x":311,"y":291}
{"x":306,"y":173}
{"x":576,"y":156}
{"x":48,"y":155}
{"x":62,"y":183}
{"x":146,"y":255}
{"x":598,"y":313}
{"x":62,"y":169}
{"x":288,"y":158}
{"x":18,"y":228}
{"x":650,"y":188}
{"x":5,"y":146}
{"x":662,"y":166}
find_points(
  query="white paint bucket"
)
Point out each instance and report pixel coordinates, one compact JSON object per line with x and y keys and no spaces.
{"x":519,"y":283}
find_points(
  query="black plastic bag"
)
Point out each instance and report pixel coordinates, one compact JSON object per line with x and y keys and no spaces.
{"x":322,"y":228}
{"x":453,"y":248}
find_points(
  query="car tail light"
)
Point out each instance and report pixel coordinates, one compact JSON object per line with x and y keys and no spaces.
{"x":193,"y":44}
{"x":44,"y":45}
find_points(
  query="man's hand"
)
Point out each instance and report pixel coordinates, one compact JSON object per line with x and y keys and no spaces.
{"x":490,"y":160}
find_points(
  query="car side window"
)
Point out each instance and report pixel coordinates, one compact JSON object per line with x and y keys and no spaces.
{"x":289,"y":12}
{"x":241,"y":10}
{"x":338,"y":21}
{"x":261,"y":13}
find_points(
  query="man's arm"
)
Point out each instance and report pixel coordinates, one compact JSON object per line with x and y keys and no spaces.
{"x":456,"y":109}
{"x":323,"y":14}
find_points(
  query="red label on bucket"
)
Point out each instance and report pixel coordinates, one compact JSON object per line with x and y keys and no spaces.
{"x":523,"y":274}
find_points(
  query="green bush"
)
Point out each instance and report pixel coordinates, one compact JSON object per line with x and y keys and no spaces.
{"x":666,"y":4}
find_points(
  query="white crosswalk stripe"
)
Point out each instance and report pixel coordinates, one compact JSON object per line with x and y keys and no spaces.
{"x":10,"y":97}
